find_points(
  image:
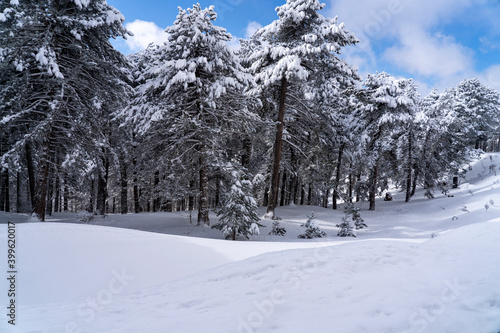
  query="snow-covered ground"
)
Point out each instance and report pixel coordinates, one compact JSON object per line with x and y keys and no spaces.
{"x":424,"y":266}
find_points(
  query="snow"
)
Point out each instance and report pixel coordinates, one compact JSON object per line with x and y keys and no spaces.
{"x":423,"y":266}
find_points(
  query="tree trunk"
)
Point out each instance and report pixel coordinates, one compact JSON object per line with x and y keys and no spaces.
{"x":191,"y":195}
{"x":351,"y":184}
{"x":18,"y":192}
{"x":309,"y":194}
{"x":275,"y":176}
{"x":302,"y":194}
{"x":414,"y":182}
{"x":283,"y":189}
{"x":325,"y":199}
{"x":5,"y":192}
{"x":57,"y":193}
{"x":203,"y":202}
{"x":31,"y":174}
{"x":409,"y":171}
{"x":217,"y":190}
{"x":102,"y":192}
{"x":136,"y":189}
{"x":66,"y":194}
{"x":337,"y":177}
{"x":373,"y":187}
{"x":42,"y":180}
{"x":50,"y":191}
{"x":156,"y":200}
{"x":247,"y":151}
{"x":265,"y":201}
{"x":124,"y":188}
{"x":92,"y":196}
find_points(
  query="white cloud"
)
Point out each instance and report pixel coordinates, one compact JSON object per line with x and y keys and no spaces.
{"x":252,"y":27}
{"x":491,"y":77}
{"x":406,"y":36}
{"x":432,"y":56}
{"x":144,"y":34}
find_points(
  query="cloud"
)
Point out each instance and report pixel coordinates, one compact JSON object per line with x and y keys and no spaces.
{"x":144,"y":33}
{"x":491,"y":77}
{"x":408,"y":37}
{"x":252,"y":27}
{"x":430,"y":55}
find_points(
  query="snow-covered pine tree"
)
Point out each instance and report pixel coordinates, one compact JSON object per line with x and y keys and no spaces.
{"x":58,"y":55}
{"x":383,"y":107}
{"x":312,"y":228}
{"x":284,"y":54}
{"x":479,"y":106}
{"x":238,"y":211}
{"x":191,"y":98}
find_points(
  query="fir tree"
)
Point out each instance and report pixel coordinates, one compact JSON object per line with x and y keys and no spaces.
{"x":58,"y":55}
{"x":190,"y":99}
{"x":238,"y":212}
{"x":312,"y":228}
{"x":284,"y":55}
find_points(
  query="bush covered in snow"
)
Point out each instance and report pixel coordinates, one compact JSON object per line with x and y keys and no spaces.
{"x":238,"y":212}
{"x":312,"y":228}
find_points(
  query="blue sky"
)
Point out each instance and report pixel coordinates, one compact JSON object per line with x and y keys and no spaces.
{"x":436,"y":42}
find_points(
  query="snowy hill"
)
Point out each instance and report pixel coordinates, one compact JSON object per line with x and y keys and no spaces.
{"x":394,"y":277}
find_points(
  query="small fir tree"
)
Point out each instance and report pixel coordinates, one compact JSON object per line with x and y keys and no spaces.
{"x":277,"y":229}
{"x":238,"y":212}
{"x":312,"y":228}
{"x":351,"y":214}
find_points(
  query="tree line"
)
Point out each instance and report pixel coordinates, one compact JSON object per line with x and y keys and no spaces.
{"x":169,"y":128}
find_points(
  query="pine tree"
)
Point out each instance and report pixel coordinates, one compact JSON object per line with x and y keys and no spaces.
{"x":383,"y":108}
{"x":238,"y":212}
{"x":312,"y":229}
{"x":284,"y":55}
{"x":58,"y":54}
{"x":191,"y":98}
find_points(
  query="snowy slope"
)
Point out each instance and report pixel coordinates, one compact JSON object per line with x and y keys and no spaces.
{"x":393,"y":278}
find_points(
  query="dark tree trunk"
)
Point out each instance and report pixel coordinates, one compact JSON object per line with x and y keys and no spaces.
{"x":373,"y":187}
{"x":351,"y":184}
{"x":18,"y":192}
{"x":92,"y":196}
{"x":283,"y":189}
{"x":5,"y":191}
{"x":191,"y":195}
{"x":66,"y":194}
{"x":42,"y":183}
{"x":247,"y":151}
{"x":124,"y":188}
{"x":31,"y":174}
{"x":290,"y":194}
{"x":337,"y":178}
{"x":309,"y":195}
{"x":137,"y":208}
{"x":302,"y":194}
{"x":217,"y":190}
{"x":50,"y":191}
{"x":156,"y":200}
{"x":102,"y":191}
{"x":409,"y":171}
{"x":265,"y":201}
{"x":414,"y":182}
{"x":203,"y":202}
{"x":57,"y":200}
{"x":325,"y":199}
{"x":275,"y":176}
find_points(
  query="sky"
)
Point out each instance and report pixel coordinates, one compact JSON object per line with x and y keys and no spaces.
{"x":437,"y":43}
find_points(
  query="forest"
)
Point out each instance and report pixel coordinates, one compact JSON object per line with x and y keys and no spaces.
{"x":194,"y":125}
